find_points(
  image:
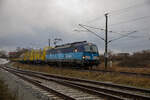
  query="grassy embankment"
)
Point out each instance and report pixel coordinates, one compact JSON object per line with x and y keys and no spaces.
{"x":108,"y":77}
{"x":5,"y":94}
{"x":115,"y":67}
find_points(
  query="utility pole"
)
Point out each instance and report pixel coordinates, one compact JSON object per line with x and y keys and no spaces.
{"x":106,"y":41}
{"x":49,"y":42}
{"x":106,"y":37}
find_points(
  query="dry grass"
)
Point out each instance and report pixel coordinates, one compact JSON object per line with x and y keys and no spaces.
{"x":115,"y":67}
{"x":114,"y":78}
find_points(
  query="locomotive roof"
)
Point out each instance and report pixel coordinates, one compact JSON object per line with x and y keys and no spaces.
{"x":71,"y":44}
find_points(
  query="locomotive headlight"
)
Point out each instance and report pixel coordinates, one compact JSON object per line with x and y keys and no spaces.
{"x":86,"y":57}
{"x":83,"y":57}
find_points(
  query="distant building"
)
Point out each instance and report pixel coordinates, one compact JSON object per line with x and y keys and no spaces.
{"x":12,"y":54}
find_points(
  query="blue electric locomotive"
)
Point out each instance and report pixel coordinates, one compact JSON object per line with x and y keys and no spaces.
{"x":78,"y":53}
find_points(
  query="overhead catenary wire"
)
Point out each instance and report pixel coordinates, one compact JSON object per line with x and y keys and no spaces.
{"x":120,"y":11}
{"x":117,"y":11}
{"x":131,"y":20}
{"x":92,"y":27}
{"x":92,"y":32}
{"x":122,"y":36}
{"x":133,"y":37}
{"x":122,"y":22}
{"x":104,"y":30}
{"x":127,"y":8}
{"x":106,"y":36}
{"x":108,"y":31}
{"x":138,"y":29}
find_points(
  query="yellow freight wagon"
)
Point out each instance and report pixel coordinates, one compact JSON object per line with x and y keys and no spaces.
{"x":35,"y":55}
{"x":43,"y":54}
{"x":26,"y":56}
{"x":31,"y":55}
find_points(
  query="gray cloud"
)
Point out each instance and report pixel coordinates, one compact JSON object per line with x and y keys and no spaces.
{"x":28,"y":23}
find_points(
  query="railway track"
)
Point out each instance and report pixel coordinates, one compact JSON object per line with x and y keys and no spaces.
{"x":100,"y":89}
{"x":110,"y":71}
{"x":66,"y":91}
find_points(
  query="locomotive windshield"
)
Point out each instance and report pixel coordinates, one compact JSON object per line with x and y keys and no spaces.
{"x":90,"y":48}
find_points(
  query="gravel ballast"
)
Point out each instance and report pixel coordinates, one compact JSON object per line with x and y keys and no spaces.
{"x":22,"y":89}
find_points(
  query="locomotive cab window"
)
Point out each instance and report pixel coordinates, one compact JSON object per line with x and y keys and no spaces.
{"x":87,"y":48}
{"x":91,"y":48}
{"x":94,"y":48}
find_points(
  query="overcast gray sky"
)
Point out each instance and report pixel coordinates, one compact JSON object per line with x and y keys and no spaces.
{"x":29,"y":23}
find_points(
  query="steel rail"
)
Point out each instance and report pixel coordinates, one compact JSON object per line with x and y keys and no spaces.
{"x":112,"y":92}
{"x":90,"y":81}
{"x":88,"y":90}
{"x":116,"y":72}
{"x":37,"y":83}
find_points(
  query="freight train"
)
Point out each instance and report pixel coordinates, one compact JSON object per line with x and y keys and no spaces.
{"x":81,"y":54}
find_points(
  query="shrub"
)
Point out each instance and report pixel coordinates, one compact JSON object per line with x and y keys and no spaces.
{"x":138,"y":59}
